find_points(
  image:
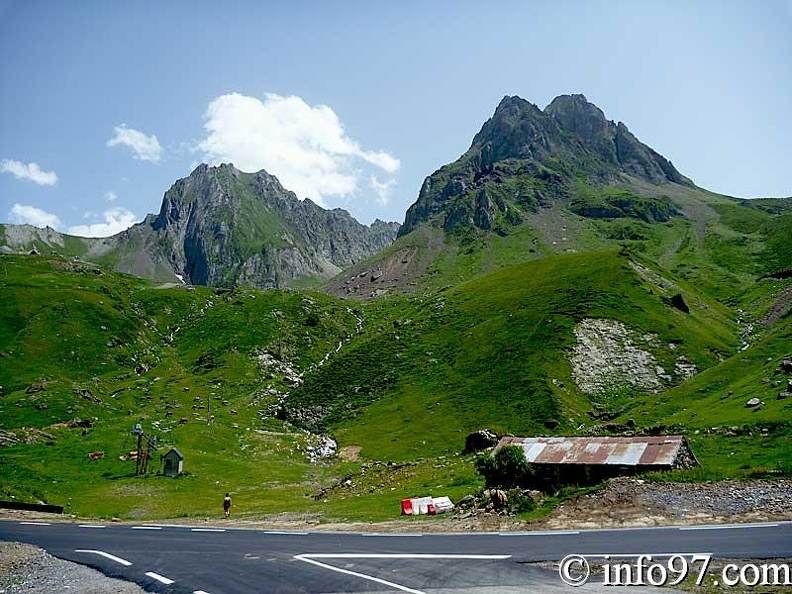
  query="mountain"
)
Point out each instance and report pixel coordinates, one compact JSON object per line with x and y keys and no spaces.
{"x":560,"y":278}
{"x":546,"y":150}
{"x":536,"y":183}
{"x":223,"y":227}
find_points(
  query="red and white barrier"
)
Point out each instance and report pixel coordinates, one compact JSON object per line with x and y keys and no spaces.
{"x":416,"y":506}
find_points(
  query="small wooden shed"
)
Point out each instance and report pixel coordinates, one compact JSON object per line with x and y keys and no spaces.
{"x":173,"y":461}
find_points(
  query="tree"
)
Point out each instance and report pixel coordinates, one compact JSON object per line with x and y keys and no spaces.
{"x":505,"y":469}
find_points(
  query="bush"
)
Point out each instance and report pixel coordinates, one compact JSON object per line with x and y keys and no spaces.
{"x":519,"y":502}
{"x":506,"y":469}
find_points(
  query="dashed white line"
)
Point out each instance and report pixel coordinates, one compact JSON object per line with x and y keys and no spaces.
{"x":728,"y":527}
{"x":389,"y":535}
{"x":35,"y":523}
{"x":146,"y":527}
{"x":207,"y":529}
{"x":92,"y":526}
{"x":105,"y":555}
{"x":199,"y":592}
{"x":398,"y":556}
{"x":160,"y":578}
{"x":538,"y":533}
{"x":285,"y":532}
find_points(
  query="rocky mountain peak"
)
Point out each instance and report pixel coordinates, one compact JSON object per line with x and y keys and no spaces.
{"x":577,"y":115}
{"x":611,"y":141}
{"x":222,"y":226}
{"x":543,"y":152}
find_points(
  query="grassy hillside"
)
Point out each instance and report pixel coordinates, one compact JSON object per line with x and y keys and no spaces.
{"x":494,"y":352}
{"x":233,"y":378}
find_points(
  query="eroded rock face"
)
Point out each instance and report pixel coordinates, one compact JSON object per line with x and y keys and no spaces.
{"x":221,"y":227}
{"x":607,"y":356}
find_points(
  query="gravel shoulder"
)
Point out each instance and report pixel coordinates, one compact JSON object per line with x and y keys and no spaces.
{"x":26,"y":569}
{"x":634,"y":502}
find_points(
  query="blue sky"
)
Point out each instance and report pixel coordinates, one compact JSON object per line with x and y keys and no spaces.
{"x":103,"y":105}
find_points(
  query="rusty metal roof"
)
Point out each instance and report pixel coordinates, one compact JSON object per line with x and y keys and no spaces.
{"x":660,"y":450}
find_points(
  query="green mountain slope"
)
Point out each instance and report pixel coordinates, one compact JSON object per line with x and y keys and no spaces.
{"x":496,"y":352}
{"x":234,"y":377}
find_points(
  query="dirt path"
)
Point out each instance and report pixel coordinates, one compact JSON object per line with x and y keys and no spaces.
{"x":780,"y":308}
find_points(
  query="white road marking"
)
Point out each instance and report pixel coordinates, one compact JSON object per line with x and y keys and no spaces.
{"x":146,"y":527}
{"x":286,"y":532}
{"x":358,"y":574}
{"x":728,"y":526}
{"x":106,"y":555}
{"x":35,"y":523}
{"x":398,"y":556}
{"x":312,"y":558}
{"x":92,"y":526}
{"x":199,"y":592}
{"x":207,"y":530}
{"x":538,"y":533}
{"x":159,"y":578}
{"x":388,"y":534}
{"x":629,"y":555}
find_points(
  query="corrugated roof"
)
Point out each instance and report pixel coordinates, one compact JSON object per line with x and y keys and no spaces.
{"x":660,"y":450}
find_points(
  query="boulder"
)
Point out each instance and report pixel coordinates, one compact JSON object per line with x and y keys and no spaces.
{"x":499,"y":498}
{"x":753,"y":402}
{"x":467,"y":501}
{"x":480,"y":440}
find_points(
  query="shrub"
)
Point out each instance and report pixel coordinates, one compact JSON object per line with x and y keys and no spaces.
{"x":519,"y":502}
{"x":506,"y":469}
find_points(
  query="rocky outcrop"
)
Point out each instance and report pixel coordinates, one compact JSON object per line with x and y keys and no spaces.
{"x":223,"y":227}
{"x":606,"y":357}
{"x":612,"y":142}
{"x":524,"y":157}
{"x":226,"y":227}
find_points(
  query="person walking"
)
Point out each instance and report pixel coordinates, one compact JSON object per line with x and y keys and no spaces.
{"x":227,"y":505}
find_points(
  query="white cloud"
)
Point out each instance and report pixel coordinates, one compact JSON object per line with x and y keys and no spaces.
{"x":115,"y":221}
{"x":304,"y":146}
{"x":383,"y":189}
{"x":110,"y":196}
{"x":30,"y":171}
{"x":145,"y":148}
{"x":21,"y":214}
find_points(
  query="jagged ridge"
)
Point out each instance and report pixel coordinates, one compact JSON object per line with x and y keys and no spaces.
{"x":543,"y":153}
{"x":223,"y":227}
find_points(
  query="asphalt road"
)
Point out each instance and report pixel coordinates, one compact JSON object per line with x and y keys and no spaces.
{"x":205,"y":560}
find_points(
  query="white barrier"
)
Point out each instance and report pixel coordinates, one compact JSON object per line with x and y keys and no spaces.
{"x":425,"y":505}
